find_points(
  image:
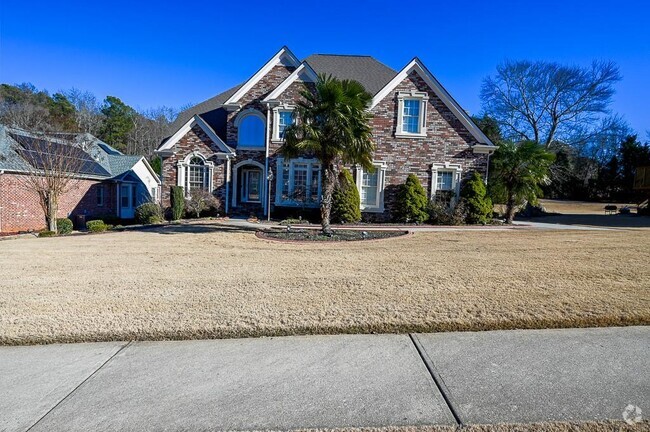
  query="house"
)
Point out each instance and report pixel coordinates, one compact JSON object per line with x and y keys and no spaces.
{"x":229,"y":144}
{"x":106,"y":184}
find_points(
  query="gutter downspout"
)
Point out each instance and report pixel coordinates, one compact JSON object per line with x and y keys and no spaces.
{"x":267,"y":207}
{"x":487,"y":169}
{"x":227,"y":183}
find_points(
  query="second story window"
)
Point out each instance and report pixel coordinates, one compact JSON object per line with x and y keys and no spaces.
{"x":411,"y":114}
{"x":250,"y":129}
{"x":282,"y":118}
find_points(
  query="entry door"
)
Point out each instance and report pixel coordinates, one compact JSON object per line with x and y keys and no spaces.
{"x":127,"y":201}
{"x":252,"y":190}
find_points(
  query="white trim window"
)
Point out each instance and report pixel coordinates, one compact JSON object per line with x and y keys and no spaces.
{"x":411,"y":114}
{"x":445,"y":182}
{"x":282,"y":118}
{"x":371,"y":187}
{"x":195,"y":172}
{"x":298,"y":182}
{"x":251,"y":129}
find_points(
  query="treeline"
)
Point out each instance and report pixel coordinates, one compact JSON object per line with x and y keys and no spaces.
{"x":566,"y":111}
{"x":137,"y":132}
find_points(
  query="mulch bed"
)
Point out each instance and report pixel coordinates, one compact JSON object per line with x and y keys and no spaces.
{"x":316,"y":235}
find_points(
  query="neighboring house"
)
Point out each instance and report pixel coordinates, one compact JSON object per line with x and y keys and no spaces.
{"x":229,"y":144}
{"x":109,"y":184}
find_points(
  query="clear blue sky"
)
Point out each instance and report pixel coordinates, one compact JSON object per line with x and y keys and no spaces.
{"x":173,"y":53}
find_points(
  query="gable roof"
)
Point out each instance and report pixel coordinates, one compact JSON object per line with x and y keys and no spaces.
{"x":284,"y":56}
{"x":417,"y":66}
{"x":101,"y":161}
{"x":372,"y":74}
{"x":196,"y":120}
{"x":303,"y":72}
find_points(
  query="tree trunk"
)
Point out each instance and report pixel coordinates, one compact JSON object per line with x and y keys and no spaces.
{"x":329,"y":181}
{"x":510,"y":209}
{"x":52,"y":209}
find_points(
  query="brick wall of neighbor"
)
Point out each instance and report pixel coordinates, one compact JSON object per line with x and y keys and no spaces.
{"x":195,"y":140}
{"x":447,"y":140}
{"x":20,"y":209}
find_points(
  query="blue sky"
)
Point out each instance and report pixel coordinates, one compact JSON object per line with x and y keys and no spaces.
{"x":173,"y":53}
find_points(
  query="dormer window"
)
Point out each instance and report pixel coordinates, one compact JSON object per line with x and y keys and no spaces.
{"x":412,"y":114}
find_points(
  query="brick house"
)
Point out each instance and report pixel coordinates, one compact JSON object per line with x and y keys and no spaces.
{"x":229,"y":144}
{"x":107,"y":184}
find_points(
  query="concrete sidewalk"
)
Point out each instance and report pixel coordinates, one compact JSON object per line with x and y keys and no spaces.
{"x":327,"y":381}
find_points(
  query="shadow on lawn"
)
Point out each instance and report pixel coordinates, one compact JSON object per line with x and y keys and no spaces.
{"x":611,"y":221}
{"x":196,"y":228}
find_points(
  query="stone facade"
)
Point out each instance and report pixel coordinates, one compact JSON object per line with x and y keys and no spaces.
{"x":447,"y":140}
{"x":20,"y":209}
{"x":195,"y":140}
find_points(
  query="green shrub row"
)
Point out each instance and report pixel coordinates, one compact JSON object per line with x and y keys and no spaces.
{"x":473,"y":207}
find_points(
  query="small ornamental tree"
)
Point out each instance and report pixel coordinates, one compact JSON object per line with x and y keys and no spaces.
{"x":477,"y":203}
{"x":412,"y":201}
{"x":199,"y":201}
{"x":177,"y":198}
{"x":345,"y":200}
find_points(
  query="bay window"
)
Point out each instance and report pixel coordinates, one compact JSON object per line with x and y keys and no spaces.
{"x":298,"y":182}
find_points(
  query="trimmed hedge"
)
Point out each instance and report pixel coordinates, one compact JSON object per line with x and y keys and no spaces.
{"x":46,"y":233}
{"x":97,"y":225}
{"x":477,"y":203}
{"x":148,"y":213}
{"x":412,"y":201}
{"x":177,"y":197}
{"x":63,"y":226}
{"x":345,"y":200}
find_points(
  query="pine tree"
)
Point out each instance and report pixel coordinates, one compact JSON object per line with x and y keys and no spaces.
{"x":478,"y":204}
{"x":412,"y":201}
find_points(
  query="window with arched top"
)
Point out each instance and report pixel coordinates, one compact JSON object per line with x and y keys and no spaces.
{"x":251,"y":129}
{"x":197,"y":174}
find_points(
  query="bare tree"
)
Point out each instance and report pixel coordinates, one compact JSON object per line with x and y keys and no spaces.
{"x":150,"y":127}
{"x":24,"y":115}
{"x":53,"y":169}
{"x":548,"y":102}
{"x":88,"y":115}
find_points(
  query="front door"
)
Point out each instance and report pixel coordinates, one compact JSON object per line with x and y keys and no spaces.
{"x":252,"y":186}
{"x":127,"y":201}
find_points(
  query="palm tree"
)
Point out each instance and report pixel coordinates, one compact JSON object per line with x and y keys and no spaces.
{"x":518,"y":170}
{"x":333,"y":125}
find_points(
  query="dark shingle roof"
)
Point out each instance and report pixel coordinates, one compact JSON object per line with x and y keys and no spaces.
{"x":372,"y":74}
{"x":205,"y":109}
{"x":103,"y":161}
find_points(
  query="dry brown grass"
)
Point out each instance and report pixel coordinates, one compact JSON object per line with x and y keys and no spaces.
{"x":206,"y":281}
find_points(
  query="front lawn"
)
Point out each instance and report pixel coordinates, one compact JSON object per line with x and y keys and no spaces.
{"x":207,"y":281}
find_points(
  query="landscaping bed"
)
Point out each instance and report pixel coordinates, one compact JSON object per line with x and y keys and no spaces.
{"x":317,"y":235}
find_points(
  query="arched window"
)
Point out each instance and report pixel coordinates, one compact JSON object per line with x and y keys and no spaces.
{"x":251,"y":129}
{"x":197,"y":174}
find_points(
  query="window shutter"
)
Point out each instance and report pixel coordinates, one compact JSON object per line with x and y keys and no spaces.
{"x":423,"y":110}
